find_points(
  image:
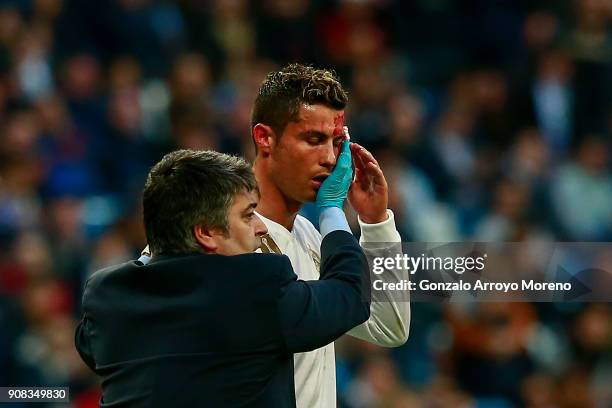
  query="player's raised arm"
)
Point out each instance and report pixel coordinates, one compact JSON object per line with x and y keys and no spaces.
{"x":389,"y":322}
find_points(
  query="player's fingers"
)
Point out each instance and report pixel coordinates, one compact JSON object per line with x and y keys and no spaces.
{"x":355,"y":148}
{"x":366,"y":156}
{"x":377,"y":174}
{"x":361,"y":178}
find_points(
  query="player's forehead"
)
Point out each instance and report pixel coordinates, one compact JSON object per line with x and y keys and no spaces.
{"x":317,"y":117}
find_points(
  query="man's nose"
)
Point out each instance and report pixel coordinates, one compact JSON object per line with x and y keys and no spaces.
{"x":260,"y":227}
{"x":328,"y":156}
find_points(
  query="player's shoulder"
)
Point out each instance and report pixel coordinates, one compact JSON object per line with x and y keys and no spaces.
{"x":304,"y":229}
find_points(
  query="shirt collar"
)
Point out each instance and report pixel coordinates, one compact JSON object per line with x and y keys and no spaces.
{"x":281,"y":235}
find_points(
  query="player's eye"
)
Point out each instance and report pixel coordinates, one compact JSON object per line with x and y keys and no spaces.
{"x":314,"y":140}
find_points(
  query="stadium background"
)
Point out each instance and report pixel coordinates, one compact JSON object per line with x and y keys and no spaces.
{"x":491,"y":119}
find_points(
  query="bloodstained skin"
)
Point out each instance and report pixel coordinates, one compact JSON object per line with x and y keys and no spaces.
{"x":339,"y":125}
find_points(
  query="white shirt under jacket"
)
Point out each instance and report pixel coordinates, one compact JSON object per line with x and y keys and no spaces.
{"x":315,"y":371}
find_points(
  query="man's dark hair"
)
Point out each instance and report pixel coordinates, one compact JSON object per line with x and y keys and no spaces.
{"x":282,"y":92}
{"x":187,"y":188}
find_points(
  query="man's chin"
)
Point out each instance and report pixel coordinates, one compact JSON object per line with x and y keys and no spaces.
{"x":311,"y":198}
{"x":305,"y":195}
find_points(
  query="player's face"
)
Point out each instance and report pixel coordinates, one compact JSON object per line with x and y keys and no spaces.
{"x":305,"y":154}
{"x":245,"y":227}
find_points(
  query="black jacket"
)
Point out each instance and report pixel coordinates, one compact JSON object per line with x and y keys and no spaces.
{"x":216,"y":331}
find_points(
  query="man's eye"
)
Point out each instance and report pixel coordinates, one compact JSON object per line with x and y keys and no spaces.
{"x":314,"y":140}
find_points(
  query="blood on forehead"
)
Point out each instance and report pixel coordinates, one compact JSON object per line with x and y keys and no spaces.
{"x":339,"y":125}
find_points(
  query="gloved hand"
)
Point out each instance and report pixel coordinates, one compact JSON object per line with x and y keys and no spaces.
{"x":333,"y":190}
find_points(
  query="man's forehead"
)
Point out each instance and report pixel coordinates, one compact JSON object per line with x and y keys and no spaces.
{"x":318,"y":109}
{"x":321,"y":116}
{"x":246,"y":198}
{"x":252,"y":196}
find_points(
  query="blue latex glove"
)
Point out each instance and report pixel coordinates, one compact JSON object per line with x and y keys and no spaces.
{"x":334,"y":189}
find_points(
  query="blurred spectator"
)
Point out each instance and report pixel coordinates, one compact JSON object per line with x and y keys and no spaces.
{"x":491,"y":345}
{"x":582,"y":192}
{"x":284,"y":32}
{"x":539,"y":391}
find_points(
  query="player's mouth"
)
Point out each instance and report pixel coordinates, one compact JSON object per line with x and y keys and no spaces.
{"x":319,"y":179}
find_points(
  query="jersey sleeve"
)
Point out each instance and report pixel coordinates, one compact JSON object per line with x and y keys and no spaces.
{"x":389,"y":321}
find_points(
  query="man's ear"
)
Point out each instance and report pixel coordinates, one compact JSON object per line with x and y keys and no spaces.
{"x":205,"y":237}
{"x":263,"y":136}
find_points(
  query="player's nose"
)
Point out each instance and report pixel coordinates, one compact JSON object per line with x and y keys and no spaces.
{"x":328,"y":156}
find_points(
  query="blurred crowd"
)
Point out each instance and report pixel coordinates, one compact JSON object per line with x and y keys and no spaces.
{"x":492,"y":120}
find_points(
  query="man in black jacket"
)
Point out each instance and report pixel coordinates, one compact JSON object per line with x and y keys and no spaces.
{"x":207,"y":322}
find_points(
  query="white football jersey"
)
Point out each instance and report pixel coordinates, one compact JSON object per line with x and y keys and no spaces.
{"x":315,"y":371}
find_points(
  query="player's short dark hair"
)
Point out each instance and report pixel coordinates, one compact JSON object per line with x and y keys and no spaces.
{"x":282,"y":92}
{"x":187,"y":188}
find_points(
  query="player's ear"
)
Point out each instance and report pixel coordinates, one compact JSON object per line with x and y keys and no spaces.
{"x":205,"y":237}
{"x":263,"y":136}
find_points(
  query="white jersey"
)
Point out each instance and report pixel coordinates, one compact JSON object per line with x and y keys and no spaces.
{"x":315,"y":371}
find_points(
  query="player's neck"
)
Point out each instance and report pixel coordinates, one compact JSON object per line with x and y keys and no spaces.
{"x":276,"y":211}
{"x":273,"y":204}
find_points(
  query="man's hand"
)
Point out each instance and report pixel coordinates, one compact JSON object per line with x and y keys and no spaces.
{"x":369,"y":193}
{"x":333,"y":190}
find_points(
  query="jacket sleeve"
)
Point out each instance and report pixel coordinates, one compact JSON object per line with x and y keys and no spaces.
{"x":315,"y":313}
{"x":389,"y":321}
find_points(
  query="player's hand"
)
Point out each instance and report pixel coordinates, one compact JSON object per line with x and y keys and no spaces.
{"x":333,"y":190}
{"x":369,"y":193}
